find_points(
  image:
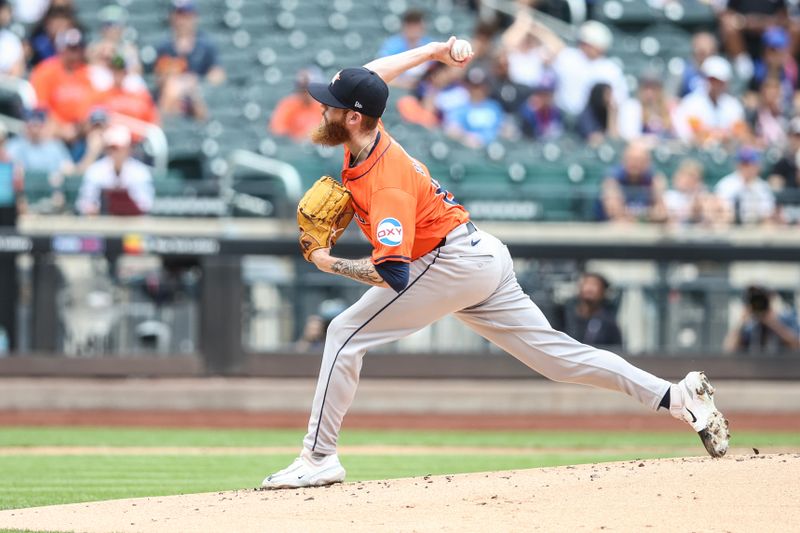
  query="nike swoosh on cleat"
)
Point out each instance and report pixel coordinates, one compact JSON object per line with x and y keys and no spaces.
{"x":473,"y":243}
{"x":694,"y":418}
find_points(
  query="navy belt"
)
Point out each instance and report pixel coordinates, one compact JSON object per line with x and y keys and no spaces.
{"x":470,"y":230}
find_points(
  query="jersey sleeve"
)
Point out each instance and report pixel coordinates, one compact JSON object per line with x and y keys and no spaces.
{"x":393,"y":212}
{"x":395,"y":273}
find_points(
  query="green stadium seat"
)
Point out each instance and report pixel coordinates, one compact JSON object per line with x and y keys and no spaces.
{"x":625,"y":14}
{"x":277,"y":38}
{"x":36,"y":186}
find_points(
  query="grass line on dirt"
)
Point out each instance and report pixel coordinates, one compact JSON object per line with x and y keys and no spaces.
{"x":98,"y":436}
{"x":31,"y":480}
{"x":27,"y":481}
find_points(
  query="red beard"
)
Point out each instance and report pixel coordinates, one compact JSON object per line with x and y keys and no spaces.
{"x":330,"y":134}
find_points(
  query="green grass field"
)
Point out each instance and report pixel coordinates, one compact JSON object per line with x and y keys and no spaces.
{"x":29,"y":479}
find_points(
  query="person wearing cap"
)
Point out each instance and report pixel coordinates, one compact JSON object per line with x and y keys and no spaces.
{"x":746,"y":197}
{"x":649,"y":114}
{"x":429,"y":261}
{"x":63,"y":85}
{"x":539,"y":116}
{"x":710,"y":114}
{"x":12,"y":55}
{"x":117,"y":171}
{"x":187,"y":50}
{"x":776,"y":62}
{"x":297,"y":114}
{"x":784,"y":173}
{"x":36,"y":151}
{"x":479,"y":121}
{"x":126,"y":101}
{"x":742,"y":24}
{"x":184,"y":60}
{"x":579,"y":69}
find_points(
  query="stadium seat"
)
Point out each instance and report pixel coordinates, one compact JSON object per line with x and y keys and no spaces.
{"x":263,"y":44}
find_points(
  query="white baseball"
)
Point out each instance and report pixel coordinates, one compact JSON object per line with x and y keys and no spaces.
{"x":461,"y":50}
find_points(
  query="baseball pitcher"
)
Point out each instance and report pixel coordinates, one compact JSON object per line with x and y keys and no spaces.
{"x":429,"y":260}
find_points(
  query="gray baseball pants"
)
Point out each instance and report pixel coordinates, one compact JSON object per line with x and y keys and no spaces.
{"x":472,"y":276}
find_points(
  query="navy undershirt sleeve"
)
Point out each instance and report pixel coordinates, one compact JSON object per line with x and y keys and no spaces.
{"x":395,"y":273}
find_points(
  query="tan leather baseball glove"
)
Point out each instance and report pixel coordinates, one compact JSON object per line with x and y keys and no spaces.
{"x":323,"y":214}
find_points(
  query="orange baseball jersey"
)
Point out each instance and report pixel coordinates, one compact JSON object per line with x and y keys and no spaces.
{"x":68,"y":95}
{"x":402,"y":211}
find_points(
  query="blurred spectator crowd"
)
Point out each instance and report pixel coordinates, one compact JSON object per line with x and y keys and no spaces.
{"x":93,"y":107}
{"x":737,"y":92}
{"x":526,"y":82}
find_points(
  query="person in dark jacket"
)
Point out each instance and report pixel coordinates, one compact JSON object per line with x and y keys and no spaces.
{"x":598,"y":120}
{"x":589,"y":317}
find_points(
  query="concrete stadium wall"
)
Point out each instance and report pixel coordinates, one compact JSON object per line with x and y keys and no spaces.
{"x":374,"y":396}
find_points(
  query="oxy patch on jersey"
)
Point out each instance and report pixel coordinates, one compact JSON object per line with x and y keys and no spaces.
{"x":390,"y":232}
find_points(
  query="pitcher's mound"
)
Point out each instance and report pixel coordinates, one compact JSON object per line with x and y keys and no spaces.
{"x":737,"y":493}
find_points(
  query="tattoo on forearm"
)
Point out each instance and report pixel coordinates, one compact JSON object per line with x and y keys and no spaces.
{"x":358,"y":269}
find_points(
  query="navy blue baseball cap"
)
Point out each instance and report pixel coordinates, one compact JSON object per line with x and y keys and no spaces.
{"x":747,"y":154}
{"x":183,"y":6}
{"x":37,"y":114}
{"x":358,"y":89}
{"x":775,"y":37}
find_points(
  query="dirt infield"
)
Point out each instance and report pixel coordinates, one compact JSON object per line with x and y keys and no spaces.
{"x":245,"y":419}
{"x":739,"y":493}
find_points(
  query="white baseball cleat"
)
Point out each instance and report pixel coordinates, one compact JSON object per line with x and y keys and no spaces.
{"x":691,"y":400}
{"x":306,"y":471}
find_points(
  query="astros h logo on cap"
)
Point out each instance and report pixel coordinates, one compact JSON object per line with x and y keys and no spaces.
{"x":358,"y":89}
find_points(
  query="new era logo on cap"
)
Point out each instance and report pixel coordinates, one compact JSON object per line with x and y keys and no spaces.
{"x":358,"y":89}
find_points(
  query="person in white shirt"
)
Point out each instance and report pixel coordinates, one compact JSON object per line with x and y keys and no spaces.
{"x":118,"y":170}
{"x":747,"y":198}
{"x":686,"y":199}
{"x":530,"y":48}
{"x":710,"y":115}
{"x":12,"y":56}
{"x":579,"y":69}
{"x":647,"y":115}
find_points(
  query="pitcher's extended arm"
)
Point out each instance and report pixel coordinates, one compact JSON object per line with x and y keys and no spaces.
{"x":390,"y":67}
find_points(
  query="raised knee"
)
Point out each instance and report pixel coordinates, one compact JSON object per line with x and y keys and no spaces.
{"x":336,"y":327}
{"x":339,"y":333}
